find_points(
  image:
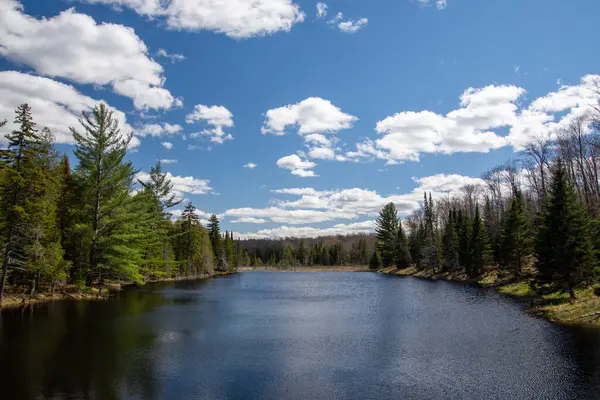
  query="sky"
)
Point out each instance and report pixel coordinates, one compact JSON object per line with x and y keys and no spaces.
{"x":303,"y":118}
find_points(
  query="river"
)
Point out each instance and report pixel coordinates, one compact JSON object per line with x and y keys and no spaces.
{"x":306,"y":335}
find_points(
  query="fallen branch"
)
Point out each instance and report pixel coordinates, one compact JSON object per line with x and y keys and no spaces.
{"x":595,"y":316}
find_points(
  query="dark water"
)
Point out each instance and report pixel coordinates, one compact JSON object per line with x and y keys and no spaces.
{"x":264,"y":335}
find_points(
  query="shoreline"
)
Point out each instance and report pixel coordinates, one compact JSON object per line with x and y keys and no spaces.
{"x":555,"y":308}
{"x":73,"y":293}
{"x":317,"y":268}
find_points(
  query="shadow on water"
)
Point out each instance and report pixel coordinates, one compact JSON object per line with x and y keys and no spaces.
{"x":294,"y":336}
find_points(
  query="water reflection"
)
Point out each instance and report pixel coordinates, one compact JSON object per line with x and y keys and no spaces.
{"x":295,"y":336}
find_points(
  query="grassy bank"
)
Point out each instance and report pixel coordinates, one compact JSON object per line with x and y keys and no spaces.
{"x":315,"y":268}
{"x":555,"y":307}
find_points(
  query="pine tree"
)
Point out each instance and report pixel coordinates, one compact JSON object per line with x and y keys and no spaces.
{"x":464,"y":239}
{"x":189,"y":222}
{"x":21,"y":186}
{"x":516,"y":236}
{"x":403,"y":258}
{"x":386,"y":231}
{"x":450,"y":244}
{"x":302,"y":252}
{"x":375,"y":262}
{"x":214,"y":232}
{"x":564,"y":248}
{"x":480,"y":246}
{"x":105,"y":181}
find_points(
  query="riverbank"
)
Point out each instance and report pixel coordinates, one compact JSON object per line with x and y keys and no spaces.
{"x":316,"y":268}
{"x":14,"y":297}
{"x":557,"y":308}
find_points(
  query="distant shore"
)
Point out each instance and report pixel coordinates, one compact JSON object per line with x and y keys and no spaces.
{"x":555,"y":308}
{"x":315,"y":268}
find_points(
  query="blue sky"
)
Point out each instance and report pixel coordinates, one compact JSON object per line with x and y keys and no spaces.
{"x":355,"y":109}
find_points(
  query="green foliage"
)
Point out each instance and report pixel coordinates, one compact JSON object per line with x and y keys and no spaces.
{"x":375,"y":261}
{"x":516,"y":236}
{"x":450,"y":244}
{"x":386,"y":231}
{"x":403,"y":258}
{"x":479,"y":246}
{"x":564,"y":248}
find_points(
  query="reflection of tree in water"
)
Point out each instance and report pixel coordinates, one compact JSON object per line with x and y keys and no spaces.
{"x":79,"y":350}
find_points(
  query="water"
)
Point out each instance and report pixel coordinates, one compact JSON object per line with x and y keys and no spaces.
{"x":265,"y":335}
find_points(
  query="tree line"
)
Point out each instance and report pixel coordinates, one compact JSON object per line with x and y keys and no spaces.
{"x":305,"y":252}
{"x":95,"y":222}
{"x":536,"y":218}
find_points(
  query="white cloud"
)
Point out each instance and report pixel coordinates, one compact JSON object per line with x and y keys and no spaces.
{"x":282,"y":232}
{"x":218,"y":117}
{"x":167,"y":145}
{"x":406,"y":135}
{"x":321,"y":10}
{"x":441,"y":4}
{"x":298,"y":166}
{"x":73,"y":46}
{"x":250,"y":165}
{"x":168,"y":161}
{"x":348,"y":26}
{"x":182,"y":184}
{"x":323,"y":153}
{"x":54,"y":104}
{"x":312,"y":115}
{"x":173,"y":57}
{"x":353,"y":26}
{"x":319,"y":206}
{"x":234,"y":18}
{"x":293,"y":217}
{"x":157,"y":130}
{"x":249,"y":220}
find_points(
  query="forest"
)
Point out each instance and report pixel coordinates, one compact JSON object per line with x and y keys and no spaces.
{"x":95,"y":222}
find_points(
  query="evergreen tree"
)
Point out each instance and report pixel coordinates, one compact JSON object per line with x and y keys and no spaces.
{"x":302,"y":252}
{"x":403,"y":258}
{"x":374,"y":261}
{"x":386,"y":231}
{"x":21,"y":187}
{"x":190,"y":221}
{"x":564,"y":248}
{"x":464,"y":239}
{"x":105,"y":181}
{"x":450,"y":245}
{"x":480,"y":246}
{"x":516,"y":236}
{"x":214,"y":232}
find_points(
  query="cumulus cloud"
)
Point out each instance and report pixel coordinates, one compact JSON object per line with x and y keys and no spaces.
{"x":157,"y":130}
{"x":312,"y":115}
{"x":348,"y":26}
{"x":54,"y":104}
{"x":182,"y":184}
{"x":235,"y":18}
{"x":321,"y":10}
{"x":283,"y":232}
{"x":173,"y":57}
{"x":470,"y":128}
{"x":167,"y":145}
{"x":319,"y":206}
{"x":298,"y":166}
{"x":218,"y":117}
{"x":353,"y":26}
{"x":250,"y":165}
{"x":73,"y":46}
{"x":168,"y":161}
{"x":441,"y":4}
{"x":249,"y":220}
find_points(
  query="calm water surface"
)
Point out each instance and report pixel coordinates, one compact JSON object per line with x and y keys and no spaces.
{"x":265,"y":335}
